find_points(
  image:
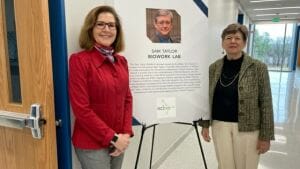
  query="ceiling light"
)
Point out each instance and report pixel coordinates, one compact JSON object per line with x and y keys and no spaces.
{"x":289,"y":13}
{"x":288,"y":18}
{"x":277,"y":14}
{"x":267,"y":19}
{"x":258,"y":1}
{"x":266,"y":9}
{"x":266,"y":14}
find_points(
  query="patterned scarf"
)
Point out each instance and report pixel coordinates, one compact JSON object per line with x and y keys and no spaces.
{"x":107,"y":52}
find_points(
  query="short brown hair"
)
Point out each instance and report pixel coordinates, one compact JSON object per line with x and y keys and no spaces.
{"x":86,"y":39}
{"x":234,"y":28}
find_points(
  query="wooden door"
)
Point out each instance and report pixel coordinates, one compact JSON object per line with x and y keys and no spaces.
{"x":26,"y":22}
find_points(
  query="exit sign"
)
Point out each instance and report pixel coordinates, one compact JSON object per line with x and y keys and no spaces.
{"x":276,"y":19}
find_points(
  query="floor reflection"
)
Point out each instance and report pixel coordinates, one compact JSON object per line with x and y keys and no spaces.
{"x":285,"y":150}
{"x":284,"y":92}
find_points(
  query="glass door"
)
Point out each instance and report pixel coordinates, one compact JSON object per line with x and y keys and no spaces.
{"x":273,"y":44}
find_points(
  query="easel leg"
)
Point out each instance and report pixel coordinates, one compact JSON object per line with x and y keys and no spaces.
{"x":199,"y":141}
{"x":140,"y":145}
{"x":153,"y":135}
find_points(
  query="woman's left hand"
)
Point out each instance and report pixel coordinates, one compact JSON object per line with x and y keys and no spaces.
{"x":263,"y":146}
{"x":116,"y":153}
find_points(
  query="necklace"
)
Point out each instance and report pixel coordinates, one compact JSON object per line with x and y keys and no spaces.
{"x":228,"y":77}
{"x":230,"y":83}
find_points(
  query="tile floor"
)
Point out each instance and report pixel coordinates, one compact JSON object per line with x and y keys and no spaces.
{"x":285,"y":150}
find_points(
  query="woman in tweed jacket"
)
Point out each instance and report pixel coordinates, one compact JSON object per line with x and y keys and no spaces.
{"x":240,"y":103}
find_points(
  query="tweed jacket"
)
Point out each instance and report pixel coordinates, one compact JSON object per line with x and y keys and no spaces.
{"x":255,"y":111}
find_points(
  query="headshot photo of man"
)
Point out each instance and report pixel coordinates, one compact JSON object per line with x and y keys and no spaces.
{"x":163,"y":24}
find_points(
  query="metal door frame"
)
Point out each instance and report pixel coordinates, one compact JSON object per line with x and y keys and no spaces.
{"x":60,"y":77}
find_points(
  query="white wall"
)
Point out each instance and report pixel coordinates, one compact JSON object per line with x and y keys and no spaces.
{"x":220,"y":14}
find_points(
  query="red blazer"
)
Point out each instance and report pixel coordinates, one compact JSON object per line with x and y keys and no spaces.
{"x":100,"y":98}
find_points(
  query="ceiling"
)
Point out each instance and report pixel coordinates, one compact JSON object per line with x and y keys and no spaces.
{"x":256,"y":12}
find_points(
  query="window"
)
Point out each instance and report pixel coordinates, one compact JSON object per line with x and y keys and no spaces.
{"x":12,"y":52}
{"x":273,"y":44}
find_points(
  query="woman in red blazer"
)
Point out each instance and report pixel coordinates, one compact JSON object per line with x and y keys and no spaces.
{"x":99,"y":92}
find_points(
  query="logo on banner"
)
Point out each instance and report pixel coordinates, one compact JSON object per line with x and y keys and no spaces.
{"x":166,"y":107}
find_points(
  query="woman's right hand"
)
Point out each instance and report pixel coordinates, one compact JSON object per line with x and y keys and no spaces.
{"x":205,"y":134}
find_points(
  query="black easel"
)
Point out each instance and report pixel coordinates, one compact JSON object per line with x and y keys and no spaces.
{"x":144,"y":128}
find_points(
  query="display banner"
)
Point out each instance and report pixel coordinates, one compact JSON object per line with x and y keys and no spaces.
{"x":168,"y":60}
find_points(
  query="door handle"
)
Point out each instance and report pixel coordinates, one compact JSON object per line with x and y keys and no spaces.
{"x":20,"y":120}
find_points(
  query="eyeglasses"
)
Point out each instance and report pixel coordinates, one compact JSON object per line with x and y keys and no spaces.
{"x":160,"y":23}
{"x":102,"y":25}
{"x":232,"y":37}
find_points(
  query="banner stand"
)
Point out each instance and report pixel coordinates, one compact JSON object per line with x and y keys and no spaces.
{"x":144,"y":128}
